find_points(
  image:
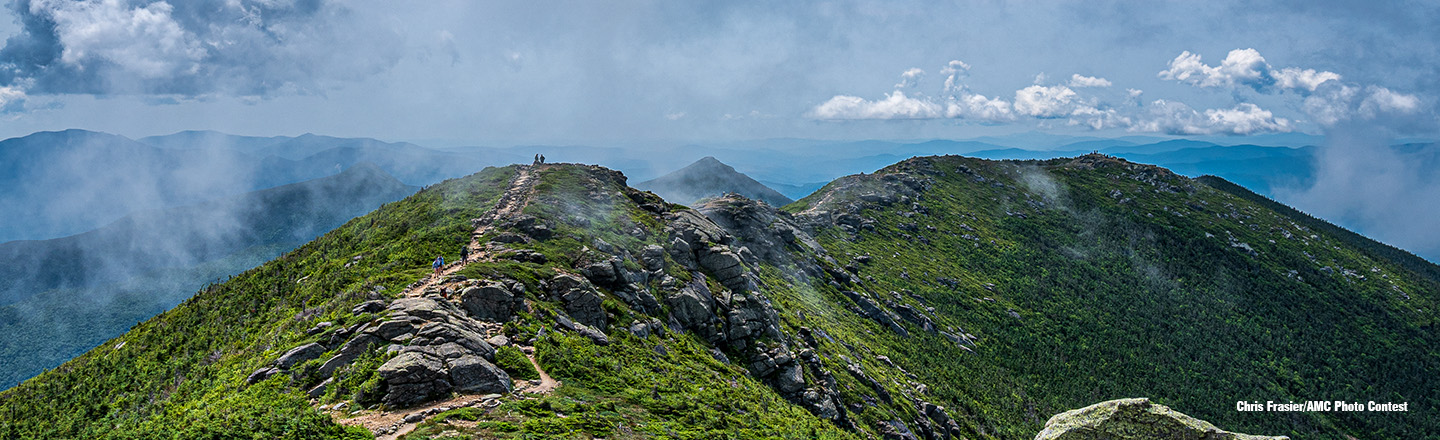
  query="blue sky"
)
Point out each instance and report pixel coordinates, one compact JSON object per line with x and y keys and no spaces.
{"x":496,"y":73}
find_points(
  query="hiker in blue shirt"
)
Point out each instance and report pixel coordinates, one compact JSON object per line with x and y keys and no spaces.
{"x":439,"y":262}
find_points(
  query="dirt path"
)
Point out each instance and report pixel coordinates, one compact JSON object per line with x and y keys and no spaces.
{"x":511,"y":203}
{"x":547,"y":383}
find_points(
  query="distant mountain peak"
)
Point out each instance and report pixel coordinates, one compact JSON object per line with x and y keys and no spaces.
{"x":709,"y":177}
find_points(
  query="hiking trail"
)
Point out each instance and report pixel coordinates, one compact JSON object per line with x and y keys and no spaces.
{"x":391,"y":425}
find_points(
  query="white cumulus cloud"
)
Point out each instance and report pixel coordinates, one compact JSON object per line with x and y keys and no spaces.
{"x":1245,"y":68}
{"x":143,"y":40}
{"x":895,"y":106}
{"x":1044,"y":101}
{"x":1178,"y":118}
{"x":979,"y":107}
{"x":1078,"y":81}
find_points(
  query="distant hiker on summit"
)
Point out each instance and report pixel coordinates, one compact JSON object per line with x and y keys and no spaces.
{"x":537,"y":159}
{"x":439,"y":262}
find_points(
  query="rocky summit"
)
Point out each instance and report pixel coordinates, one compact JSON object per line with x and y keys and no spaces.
{"x":941,"y":297}
{"x":1134,"y":419}
{"x":708,"y":178}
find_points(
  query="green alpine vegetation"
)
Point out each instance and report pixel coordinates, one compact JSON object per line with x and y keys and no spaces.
{"x":940,"y":297}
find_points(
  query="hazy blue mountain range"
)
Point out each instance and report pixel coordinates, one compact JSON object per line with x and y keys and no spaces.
{"x":54,"y":184}
{"x":60,"y":297}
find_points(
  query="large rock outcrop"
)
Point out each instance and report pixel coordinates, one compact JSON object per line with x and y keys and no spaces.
{"x":441,"y":345}
{"x":1134,"y":419}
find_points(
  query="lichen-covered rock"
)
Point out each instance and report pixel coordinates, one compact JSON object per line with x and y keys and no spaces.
{"x":491,"y":302}
{"x":1136,"y":419}
{"x":473,"y":374}
{"x":413,"y":377}
{"x":423,"y":308}
{"x":693,"y":305}
{"x":299,"y":355}
{"x":610,"y":273}
{"x":652,"y":257}
{"x":392,"y":328}
{"x":696,"y":230}
{"x":581,"y":300}
{"x":439,"y":333}
{"x":261,"y":374}
{"x":372,"y":306}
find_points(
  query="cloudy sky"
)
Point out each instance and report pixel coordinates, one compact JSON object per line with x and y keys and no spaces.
{"x":496,"y":73}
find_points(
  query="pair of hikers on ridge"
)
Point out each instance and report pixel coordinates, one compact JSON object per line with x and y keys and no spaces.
{"x":539,"y":158}
{"x":439,"y":262}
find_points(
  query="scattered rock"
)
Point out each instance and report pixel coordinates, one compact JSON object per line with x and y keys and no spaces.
{"x":319,"y":328}
{"x":652,"y":257}
{"x":261,"y":374}
{"x":372,"y":306}
{"x":319,"y":390}
{"x":391,"y":329}
{"x":299,"y":355}
{"x":498,"y":341}
{"x":348,"y":353}
{"x":870,"y":309}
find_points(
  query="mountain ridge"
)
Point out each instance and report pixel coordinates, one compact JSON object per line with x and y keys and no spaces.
{"x":940,"y":297}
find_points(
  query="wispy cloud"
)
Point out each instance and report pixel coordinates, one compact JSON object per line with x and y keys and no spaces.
{"x":1078,"y":80}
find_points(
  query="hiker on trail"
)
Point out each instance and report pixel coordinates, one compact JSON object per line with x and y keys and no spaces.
{"x":439,"y":262}
{"x":464,"y":253}
{"x":542,"y":158}
{"x":537,"y":159}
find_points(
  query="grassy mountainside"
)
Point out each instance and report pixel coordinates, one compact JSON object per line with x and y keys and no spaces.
{"x":1095,"y":278}
{"x":942,"y":297}
{"x":180,"y":374}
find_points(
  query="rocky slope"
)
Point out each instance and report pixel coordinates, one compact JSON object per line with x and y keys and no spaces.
{"x":942,"y":297}
{"x":708,"y":177}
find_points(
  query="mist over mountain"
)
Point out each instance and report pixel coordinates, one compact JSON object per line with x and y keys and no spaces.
{"x":54,"y":184}
{"x":707,"y":178}
{"x":60,"y":297}
{"x":942,"y":296}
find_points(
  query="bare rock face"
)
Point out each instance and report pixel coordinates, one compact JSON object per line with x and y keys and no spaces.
{"x":693,"y":305}
{"x":299,"y":355}
{"x":473,"y":374}
{"x":1134,"y":419}
{"x":581,"y":300}
{"x":413,"y":377}
{"x":491,"y":302}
